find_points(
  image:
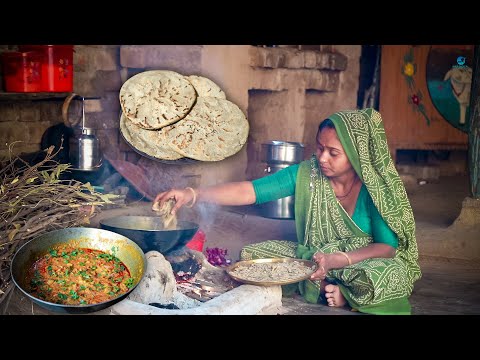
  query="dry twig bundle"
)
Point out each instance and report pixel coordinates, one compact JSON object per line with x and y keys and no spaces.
{"x":34,"y":200}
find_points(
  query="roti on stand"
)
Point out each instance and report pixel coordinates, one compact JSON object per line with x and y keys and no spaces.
{"x":150,"y":142}
{"x":156,"y":98}
{"x":213,"y":130}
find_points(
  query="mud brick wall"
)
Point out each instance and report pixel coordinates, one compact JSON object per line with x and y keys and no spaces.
{"x":293,"y":89}
{"x":284,"y":91}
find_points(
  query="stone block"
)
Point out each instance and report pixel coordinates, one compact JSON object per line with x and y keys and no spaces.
{"x":269,"y":79}
{"x":36,"y":132}
{"x":270,"y":60}
{"x":29,"y":112}
{"x":108,"y":138}
{"x":282,"y":57}
{"x":9,"y":112}
{"x":51,"y":111}
{"x":109,"y":80}
{"x":13,"y":131}
{"x":185,"y":59}
{"x":106,"y":120}
{"x":132,"y":56}
{"x":84,"y":84}
{"x":283,"y":79}
{"x":23,"y":132}
{"x":110,"y":101}
{"x":106,"y":59}
{"x":276,"y":57}
{"x":93,"y":58}
{"x":295,"y":59}
{"x":321,"y":80}
{"x":93,"y":106}
{"x":310,"y":59}
{"x":340,"y":61}
{"x":257,"y":56}
{"x":79,"y":61}
{"x":331,"y":61}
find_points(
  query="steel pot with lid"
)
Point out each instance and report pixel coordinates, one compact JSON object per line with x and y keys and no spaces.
{"x":283,"y":208}
{"x":282,"y":152}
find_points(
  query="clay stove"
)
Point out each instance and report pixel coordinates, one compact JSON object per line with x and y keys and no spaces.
{"x":184,"y":282}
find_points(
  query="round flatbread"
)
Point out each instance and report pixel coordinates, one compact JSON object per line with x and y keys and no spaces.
{"x":206,"y":87}
{"x":150,"y":142}
{"x":156,"y":98}
{"x":213,"y":130}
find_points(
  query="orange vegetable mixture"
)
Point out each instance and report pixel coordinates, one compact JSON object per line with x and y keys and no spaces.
{"x":78,"y":276}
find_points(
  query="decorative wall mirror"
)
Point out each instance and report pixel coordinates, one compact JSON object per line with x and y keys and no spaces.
{"x":449,"y":80}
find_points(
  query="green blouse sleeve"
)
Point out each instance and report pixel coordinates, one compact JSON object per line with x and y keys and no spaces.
{"x":277,"y":185}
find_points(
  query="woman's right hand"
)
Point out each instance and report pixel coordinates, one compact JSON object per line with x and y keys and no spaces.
{"x":321,"y":260}
{"x":181,"y":196}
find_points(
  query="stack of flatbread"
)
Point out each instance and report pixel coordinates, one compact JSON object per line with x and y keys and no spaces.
{"x":169,"y":116}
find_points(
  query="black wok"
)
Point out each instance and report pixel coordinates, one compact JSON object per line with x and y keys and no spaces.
{"x":149,"y":234}
{"x":97,"y":239}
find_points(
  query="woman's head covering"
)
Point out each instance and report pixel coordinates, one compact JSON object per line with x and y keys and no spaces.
{"x":363,"y":138}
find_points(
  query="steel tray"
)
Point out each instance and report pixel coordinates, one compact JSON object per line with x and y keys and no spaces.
{"x":307,"y":263}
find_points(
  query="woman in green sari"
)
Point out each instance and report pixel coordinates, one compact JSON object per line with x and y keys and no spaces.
{"x":352,"y":217}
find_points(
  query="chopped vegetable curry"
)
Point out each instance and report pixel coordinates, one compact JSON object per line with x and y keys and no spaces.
{"x":69,"y":275}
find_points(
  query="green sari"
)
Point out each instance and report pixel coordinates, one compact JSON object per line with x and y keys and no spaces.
{"x":376,"y":286}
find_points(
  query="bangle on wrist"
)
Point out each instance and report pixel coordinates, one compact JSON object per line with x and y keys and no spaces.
{"x":194,"y":197}
{"x":346,"y":255}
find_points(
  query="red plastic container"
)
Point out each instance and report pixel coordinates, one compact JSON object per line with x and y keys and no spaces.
{"x":22,"y":71}
{"x":57,"y":68}
{"x":197,"y":241}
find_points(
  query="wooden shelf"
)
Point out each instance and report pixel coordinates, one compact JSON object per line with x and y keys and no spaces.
{"x":11,"y":96}
{"x":40,"y":96}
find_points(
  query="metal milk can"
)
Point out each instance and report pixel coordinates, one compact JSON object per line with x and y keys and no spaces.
{"x":84,"y":147}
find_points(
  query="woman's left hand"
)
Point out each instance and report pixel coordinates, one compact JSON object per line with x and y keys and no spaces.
{"x":323,"y":266}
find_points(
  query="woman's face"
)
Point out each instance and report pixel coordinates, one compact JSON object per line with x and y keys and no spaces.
{"x":331,"y":157}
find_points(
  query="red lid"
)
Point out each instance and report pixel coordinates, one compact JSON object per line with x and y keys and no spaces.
{"x":18,"y":54}
{"x":43,"y":46}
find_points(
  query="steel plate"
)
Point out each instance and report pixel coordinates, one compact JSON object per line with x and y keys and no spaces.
{"x":307,"y":263}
